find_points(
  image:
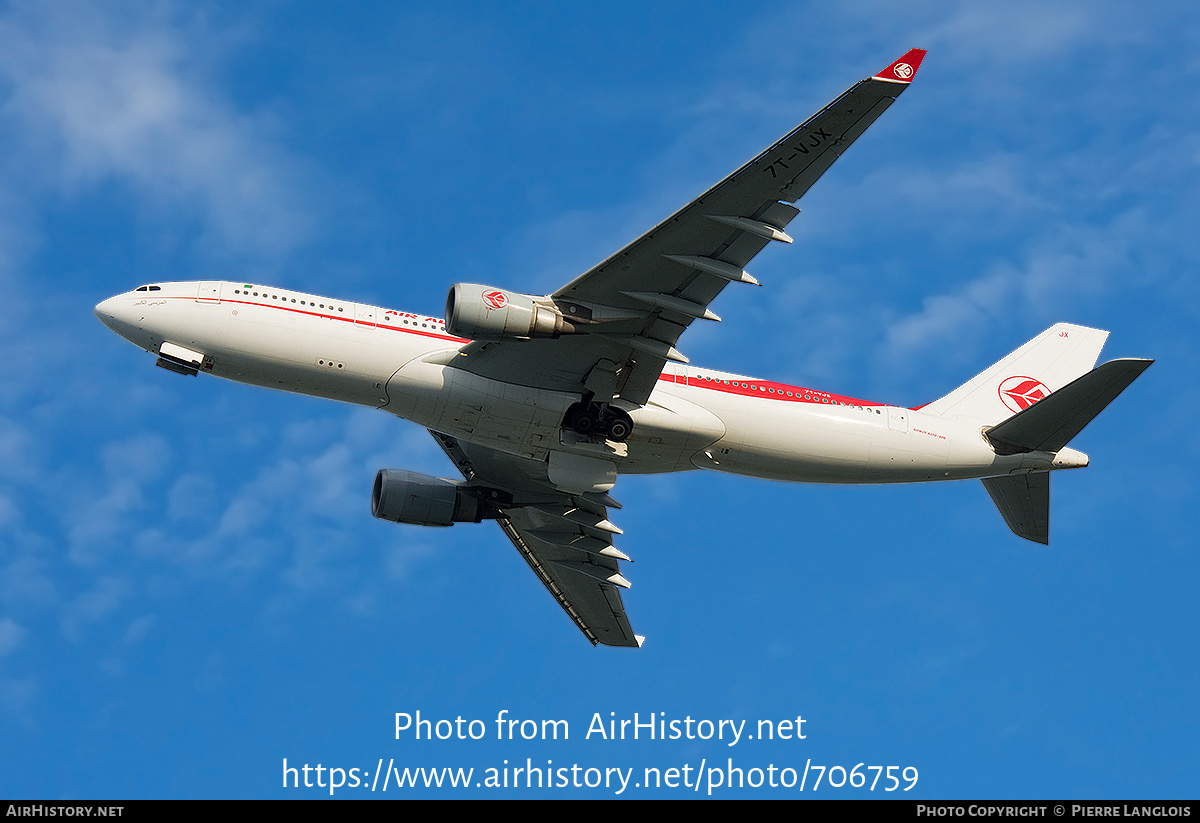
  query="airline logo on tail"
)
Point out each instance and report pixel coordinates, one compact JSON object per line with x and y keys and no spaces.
{"x":1019,"y":393}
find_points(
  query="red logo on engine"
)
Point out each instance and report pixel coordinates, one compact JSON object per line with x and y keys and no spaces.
{"x":495,"y":299}
{"x":1019,"y":393}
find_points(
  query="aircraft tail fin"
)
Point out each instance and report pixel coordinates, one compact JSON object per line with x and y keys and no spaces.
{"x":1037,"y":399}
{"x":1024,"y":502}
{"x":1048,"y":425}
{"x":1043,"y":365}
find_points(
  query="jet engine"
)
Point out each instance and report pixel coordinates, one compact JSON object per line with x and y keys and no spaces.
{"x":487,"y":313}
{"x":407,"y":497}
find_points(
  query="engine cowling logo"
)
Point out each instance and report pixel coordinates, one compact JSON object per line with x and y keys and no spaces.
{"x":495,"y":299}
{"x":1019,"y":393}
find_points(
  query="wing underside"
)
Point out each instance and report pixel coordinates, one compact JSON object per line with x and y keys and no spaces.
{"x":566,"y":539}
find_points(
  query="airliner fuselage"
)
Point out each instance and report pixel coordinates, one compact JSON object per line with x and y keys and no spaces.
{"x":696,"y":418}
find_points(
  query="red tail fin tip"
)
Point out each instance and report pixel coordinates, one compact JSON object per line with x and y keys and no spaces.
{"x":904,"y":69}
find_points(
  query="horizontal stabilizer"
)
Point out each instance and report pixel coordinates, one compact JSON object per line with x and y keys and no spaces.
{"x":1050,"y":423}
{"x":1024,"y":501}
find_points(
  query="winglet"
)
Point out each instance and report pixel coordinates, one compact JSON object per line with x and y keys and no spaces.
{"x":904,"y":69}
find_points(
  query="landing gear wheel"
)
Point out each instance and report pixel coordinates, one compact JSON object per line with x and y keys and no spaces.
{"x":620,"y":426}
{"x":582,"y":418}
{"x":592,"y":418}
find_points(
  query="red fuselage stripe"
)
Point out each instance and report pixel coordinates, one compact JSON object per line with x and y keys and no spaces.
{"x":754,"y":388}
{"x":763,"y":390}
{"x":343,"y":319}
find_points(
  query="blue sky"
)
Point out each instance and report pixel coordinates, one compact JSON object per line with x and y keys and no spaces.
{"x":191,"y":586}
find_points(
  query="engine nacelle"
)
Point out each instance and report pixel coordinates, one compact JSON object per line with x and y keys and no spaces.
{"x":487,"y":313}
{"x":407,"y":497}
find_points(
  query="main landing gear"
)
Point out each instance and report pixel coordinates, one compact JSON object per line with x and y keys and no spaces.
{"x":594,"y":418}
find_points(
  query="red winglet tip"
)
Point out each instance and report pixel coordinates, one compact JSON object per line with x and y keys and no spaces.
{"x":904,"y":69}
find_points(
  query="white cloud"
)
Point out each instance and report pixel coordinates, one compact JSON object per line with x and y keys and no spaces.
{"x":101,"y":600}
{"x":11,"y":634}
{"x":102,"y":93}
{"x":192,"y":497}
{"x":1001,"y":34}
{"x":97,"y":516}
{"x":1061,"y":275}
{"x":28,"y":581}
{"x":19,"y":452}
{"x":17,"y":695}
{"x":140,"y":457}
{"x":10,"y":515}
{"x":138,"y":629}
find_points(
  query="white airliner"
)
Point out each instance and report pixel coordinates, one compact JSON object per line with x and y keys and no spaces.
{"x":541,"y":402}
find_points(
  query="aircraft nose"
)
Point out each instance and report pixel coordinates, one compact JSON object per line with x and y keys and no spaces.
{"x":106,"y":311}
{"x":120,"y":314}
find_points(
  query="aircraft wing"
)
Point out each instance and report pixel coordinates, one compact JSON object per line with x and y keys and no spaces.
{"x":566,"y":539}
{"x":638,"y":302}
